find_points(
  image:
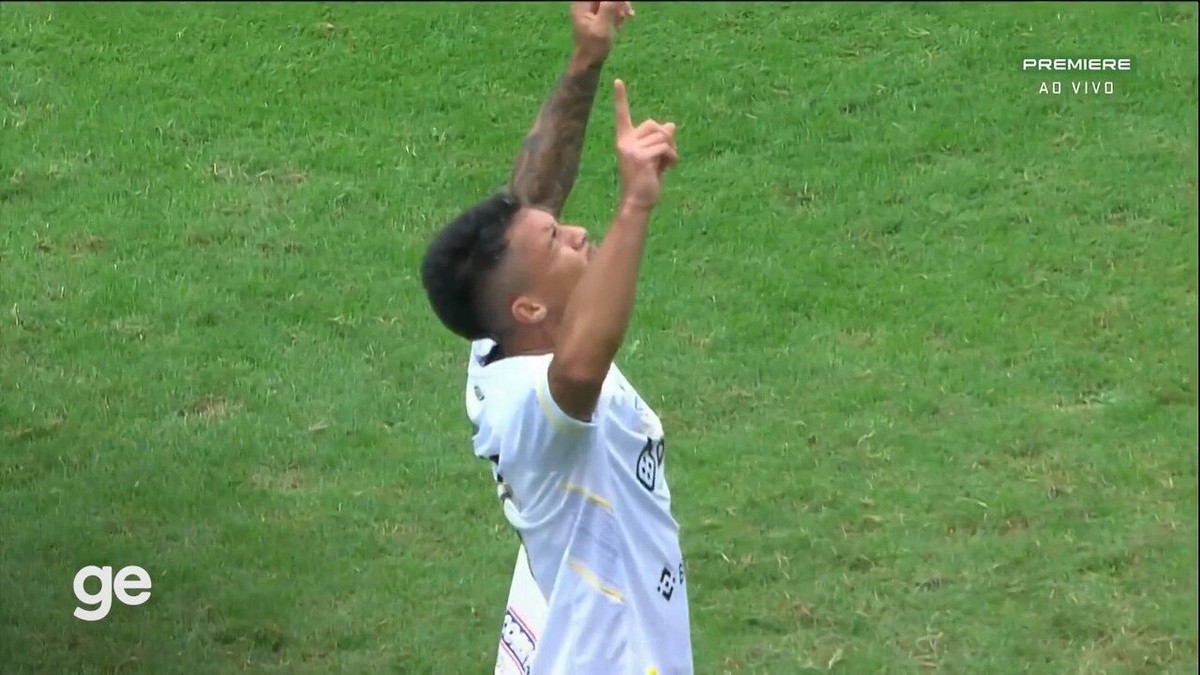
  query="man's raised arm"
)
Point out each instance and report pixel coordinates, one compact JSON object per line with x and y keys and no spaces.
{"x":598,"y":312}
{"x":548,"y":165}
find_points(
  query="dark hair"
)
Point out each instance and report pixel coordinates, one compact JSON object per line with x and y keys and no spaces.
{"x":459,"y":263}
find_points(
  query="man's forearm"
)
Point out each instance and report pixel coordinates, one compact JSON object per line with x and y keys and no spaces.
{"x":548,"y":165}
{"x":600,"y":307}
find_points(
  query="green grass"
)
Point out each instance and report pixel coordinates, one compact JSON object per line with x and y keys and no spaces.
{"x":923,"y":340}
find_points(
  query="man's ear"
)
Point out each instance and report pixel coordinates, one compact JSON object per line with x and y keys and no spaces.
{"x":528,"y":310}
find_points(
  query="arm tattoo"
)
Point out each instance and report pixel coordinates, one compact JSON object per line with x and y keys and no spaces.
{"x":548,"y":164}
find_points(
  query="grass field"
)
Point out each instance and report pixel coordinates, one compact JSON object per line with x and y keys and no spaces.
{"x":923,"y":340}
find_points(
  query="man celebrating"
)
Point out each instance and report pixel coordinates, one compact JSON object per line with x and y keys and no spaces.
{"x":577,"y":454}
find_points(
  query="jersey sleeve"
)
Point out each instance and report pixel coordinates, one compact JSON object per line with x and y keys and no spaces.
{"x":536,"y":433}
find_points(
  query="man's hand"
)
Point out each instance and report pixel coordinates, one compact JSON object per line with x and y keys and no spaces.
{"x":596,"y":23}
{"x":644,"y":153}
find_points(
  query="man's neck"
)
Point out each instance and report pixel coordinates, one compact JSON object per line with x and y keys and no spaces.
{"x":520,"y":345}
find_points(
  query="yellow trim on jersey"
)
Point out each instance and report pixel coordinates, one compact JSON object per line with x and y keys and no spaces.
{"x":594,"y":581}
{"x":591,"y":496}
{"x":549,"y":412}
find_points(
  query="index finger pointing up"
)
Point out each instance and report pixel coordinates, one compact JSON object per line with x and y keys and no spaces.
{"x":624,"y":123}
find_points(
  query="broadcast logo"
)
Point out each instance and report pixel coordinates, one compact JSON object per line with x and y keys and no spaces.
{"x":131,"y":586}
{"x":1079,"y":86}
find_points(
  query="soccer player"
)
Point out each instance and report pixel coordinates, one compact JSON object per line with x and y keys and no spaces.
{"x":577,"y":453}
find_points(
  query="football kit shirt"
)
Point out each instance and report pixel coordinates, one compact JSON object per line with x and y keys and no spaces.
{"x":592,"y":507}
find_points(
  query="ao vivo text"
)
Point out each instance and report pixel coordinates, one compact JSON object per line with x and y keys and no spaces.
{"x":1077,"y":88}
{"x":130,"y":585}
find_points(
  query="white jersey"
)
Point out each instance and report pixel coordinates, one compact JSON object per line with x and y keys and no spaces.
{"x":591,"y":504}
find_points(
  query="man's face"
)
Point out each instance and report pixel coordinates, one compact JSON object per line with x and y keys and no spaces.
{"x":552,"y":258}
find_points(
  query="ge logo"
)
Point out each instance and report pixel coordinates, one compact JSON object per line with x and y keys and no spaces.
{"x":649,"y":462}
{"x":132,"y":578}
